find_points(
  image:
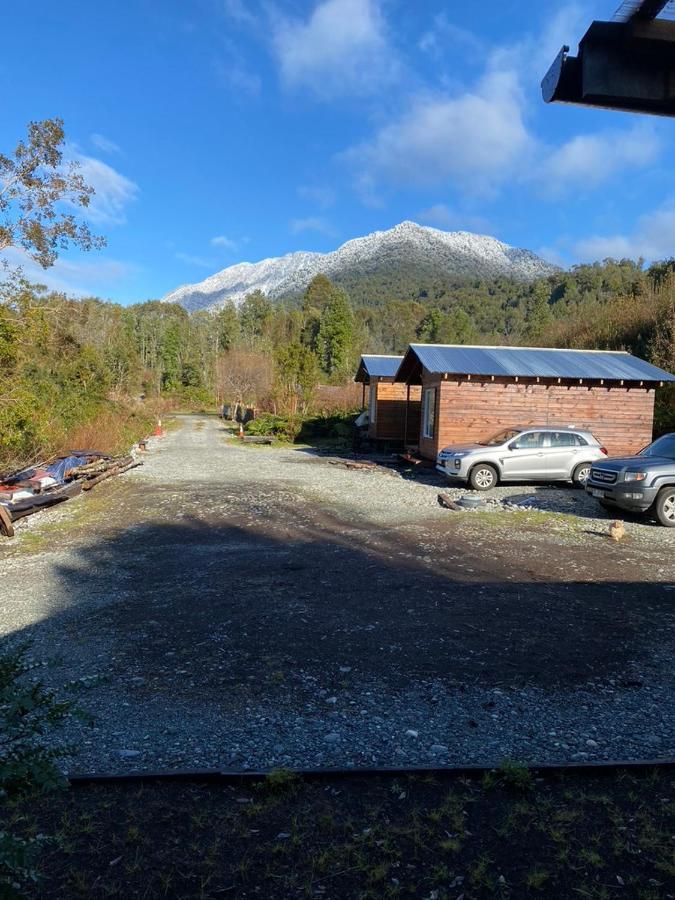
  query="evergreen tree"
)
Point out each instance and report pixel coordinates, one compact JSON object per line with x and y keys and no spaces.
{"x":336,"y":334}
{"x":428,"y":331}
{"x":227,"y":326}
{"x":314,"y":301}
{"x":255,"y":313}
{"x":539,"y":314}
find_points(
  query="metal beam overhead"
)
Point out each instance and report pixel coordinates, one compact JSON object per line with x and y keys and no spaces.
{"x":640,"y":9}
{"x":624,"y":65}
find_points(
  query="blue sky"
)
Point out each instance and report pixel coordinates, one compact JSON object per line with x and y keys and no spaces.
{"x":217,"y":131}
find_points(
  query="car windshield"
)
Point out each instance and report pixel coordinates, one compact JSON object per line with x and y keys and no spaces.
{"x":500,"y":438}
{"x":663,"y":446}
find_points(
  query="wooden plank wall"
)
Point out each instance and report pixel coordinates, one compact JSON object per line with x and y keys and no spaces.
{"x":390,"y":417}
{"x":621,"y":418}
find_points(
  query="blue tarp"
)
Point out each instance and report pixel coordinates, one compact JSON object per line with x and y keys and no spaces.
{"x":59,"y":468}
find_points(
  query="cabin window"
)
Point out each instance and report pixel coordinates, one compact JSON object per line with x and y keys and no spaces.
{"x":372,"y":409}
{"x":429,"y":415}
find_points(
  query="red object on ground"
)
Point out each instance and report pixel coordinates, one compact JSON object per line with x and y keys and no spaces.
{"x":159,"y":431}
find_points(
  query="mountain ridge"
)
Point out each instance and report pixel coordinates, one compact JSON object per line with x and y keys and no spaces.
{"x":455,"y":254}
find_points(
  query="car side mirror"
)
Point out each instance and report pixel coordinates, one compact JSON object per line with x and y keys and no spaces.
{"x":513,"y":446}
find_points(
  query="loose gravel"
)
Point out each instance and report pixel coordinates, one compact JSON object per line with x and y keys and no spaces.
{"x":248,"y":607}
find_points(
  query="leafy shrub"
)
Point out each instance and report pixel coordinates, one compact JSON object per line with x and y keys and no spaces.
{"x":516,"y":776}
{"x":336,"y":426}
{"x":285,"y":428}
{"x":28,"y":765}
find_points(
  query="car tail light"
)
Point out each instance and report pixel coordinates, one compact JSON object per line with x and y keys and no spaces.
{"x":604,"y":450}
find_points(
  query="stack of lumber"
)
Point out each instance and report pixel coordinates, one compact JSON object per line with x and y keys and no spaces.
{"x":96,"y":472}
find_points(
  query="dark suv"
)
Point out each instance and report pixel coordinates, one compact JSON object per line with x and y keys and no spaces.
{"x":642,"y":483}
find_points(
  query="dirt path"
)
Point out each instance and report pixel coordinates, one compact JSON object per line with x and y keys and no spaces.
{"x":238,"y":606}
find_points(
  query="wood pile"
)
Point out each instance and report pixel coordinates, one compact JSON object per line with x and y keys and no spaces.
{"x":31,"y":498}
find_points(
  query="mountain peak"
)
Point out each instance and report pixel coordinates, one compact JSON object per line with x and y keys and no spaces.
{"x":450,"y":254}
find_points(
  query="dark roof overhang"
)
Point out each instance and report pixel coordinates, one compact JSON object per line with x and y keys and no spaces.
{"x":627,"y":65}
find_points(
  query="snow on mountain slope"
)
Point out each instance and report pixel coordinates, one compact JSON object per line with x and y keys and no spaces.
{"x":450,"y":253}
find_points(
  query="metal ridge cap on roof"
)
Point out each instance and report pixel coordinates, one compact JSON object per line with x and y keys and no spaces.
{"x":381,"y":356}
{"x":519,"y":347}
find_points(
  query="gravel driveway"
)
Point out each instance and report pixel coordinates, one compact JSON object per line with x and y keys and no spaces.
{"x":231,"y":606}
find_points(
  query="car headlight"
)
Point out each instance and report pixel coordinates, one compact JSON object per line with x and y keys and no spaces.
{"x":635,"y":476}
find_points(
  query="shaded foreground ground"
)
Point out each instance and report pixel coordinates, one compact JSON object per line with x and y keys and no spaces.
{"x":244,"y":607}
{"x":506,"y":834}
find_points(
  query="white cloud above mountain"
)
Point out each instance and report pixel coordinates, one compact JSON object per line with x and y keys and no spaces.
{"x":80,"y":277}
{"x":441,"y":215}
{"x":113,"y":192}
{"x":587,"y":161}
{"x":653,"y":238}
{"x":475,"y":139}
{"x":320,"y":195}
{"x":340,"y":49}
{"x":312,"y":223}
{"x":226,"y":243}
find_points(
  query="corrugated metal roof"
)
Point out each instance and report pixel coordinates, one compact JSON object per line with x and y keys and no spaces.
{"x":381,"y":366}
{"x":534,"y":361}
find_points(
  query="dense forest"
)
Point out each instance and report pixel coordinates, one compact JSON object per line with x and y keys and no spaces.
{"x":75,"y":368}
{"x":77,"y":372}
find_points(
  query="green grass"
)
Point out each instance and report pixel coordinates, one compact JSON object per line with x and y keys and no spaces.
{"x":510,"y":834}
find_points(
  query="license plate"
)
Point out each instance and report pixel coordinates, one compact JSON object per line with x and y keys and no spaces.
{"x":597,"y":493}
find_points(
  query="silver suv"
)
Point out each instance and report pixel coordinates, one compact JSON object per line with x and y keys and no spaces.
{"x":523,"y":454}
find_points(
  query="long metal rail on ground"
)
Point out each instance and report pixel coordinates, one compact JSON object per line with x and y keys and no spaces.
{"x":235,"y":776}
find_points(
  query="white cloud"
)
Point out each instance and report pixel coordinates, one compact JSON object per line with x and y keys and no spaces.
{"x":312,"y":223}
{"x":476,"y":139}
{"x":442,"y":216}
{"x":588,"y":160}
{"x":323,"y":197}
{"x":340,"y":49}
{"x":479,"y":137}
{"x":78,"y":278}
{"x":238,"y":11}
{"x":235,"y":74}
{"x":199,"y":261}
{"x":101,"y":142}
{"x":446,"y":37}
{"x":653,"y":238}
{"x":113,"y":191}
{"x":225,"y":242}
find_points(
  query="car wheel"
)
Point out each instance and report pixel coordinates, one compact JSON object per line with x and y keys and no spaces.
{"x":664,"y":507}
{"x":483,"y":477}
{"x":580,"y":474}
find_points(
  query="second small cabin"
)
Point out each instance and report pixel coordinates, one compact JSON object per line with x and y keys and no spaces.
{"x":393,"y":409}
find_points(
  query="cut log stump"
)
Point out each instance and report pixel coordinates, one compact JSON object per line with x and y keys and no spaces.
{"x":6,"y":526}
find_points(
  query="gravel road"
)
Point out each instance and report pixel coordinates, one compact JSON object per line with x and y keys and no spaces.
{"x":237,"y":606}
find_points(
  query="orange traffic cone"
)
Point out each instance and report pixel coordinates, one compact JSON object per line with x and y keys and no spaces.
{"x":158,"y":432}
{"x":241,"y":430}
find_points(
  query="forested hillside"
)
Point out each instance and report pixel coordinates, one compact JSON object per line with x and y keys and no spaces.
{"x":91,"y":371}
{"x":88,"y":372}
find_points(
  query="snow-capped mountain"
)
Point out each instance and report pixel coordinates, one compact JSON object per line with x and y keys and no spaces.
{"x":455,"y":254}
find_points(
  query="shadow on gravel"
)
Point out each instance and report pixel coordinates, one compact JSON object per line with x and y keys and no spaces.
{"x":220,"y":610}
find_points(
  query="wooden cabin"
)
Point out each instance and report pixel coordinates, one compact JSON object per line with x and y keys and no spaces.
{"x":393,"y":409}
{"x":469,"y":393}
